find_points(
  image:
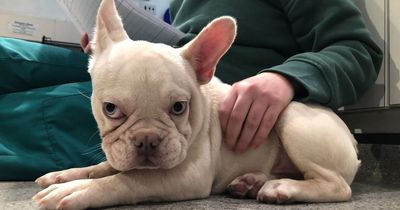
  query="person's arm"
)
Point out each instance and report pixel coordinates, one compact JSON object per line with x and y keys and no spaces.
{"x":340,"y":61}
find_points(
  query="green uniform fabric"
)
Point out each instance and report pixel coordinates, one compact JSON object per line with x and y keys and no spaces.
{"x":27,"y":65}
{"x":46,"y":122}
{"x":323,"y":46}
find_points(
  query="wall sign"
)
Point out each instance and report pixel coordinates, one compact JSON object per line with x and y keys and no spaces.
{"x":22,"y":27}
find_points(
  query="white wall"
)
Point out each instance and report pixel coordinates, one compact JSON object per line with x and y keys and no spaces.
{"x":37,"y":8}
{"x":31,"y":20}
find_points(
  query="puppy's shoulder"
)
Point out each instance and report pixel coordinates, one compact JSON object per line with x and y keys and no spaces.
{"x":215,"y":90}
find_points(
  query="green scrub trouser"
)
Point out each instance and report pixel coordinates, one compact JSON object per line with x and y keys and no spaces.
{"x":46,"y":123}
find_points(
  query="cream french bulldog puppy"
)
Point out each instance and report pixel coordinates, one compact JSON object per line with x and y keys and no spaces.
{"x":156,"y":108}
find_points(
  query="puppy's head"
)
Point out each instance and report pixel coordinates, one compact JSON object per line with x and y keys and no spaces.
{"x":146,"y":97}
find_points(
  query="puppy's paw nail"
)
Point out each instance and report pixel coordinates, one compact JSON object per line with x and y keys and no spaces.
{"x":37,"y":181}
{"x":41,"y":204}
{"x":60,"y":206}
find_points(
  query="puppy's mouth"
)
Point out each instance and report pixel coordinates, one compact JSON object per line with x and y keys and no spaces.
{"x":146,"y":163}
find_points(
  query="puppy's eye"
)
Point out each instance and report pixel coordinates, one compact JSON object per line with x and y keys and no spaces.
{"x":178,"y":108}
{"x":112,"y":111}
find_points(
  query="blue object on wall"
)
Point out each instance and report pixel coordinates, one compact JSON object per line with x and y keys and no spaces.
{"x":167,"y":17}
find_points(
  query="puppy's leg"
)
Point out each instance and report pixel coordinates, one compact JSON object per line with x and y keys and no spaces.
{"x":322,"y":148}
{"x":324,"y":187}
{"x":83,"y":193}
{"x":126,"y":188}
{"x":92,"y":172}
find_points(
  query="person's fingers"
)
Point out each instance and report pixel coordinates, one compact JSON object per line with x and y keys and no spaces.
{"x":236,"y":120}
{"x":87,"y":49}
{"x":85,"y":42}
{"x":268,"y":121}
{"x":251,"y":124}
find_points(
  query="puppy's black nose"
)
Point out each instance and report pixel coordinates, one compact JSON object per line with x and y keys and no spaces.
{"x":147,"y":143}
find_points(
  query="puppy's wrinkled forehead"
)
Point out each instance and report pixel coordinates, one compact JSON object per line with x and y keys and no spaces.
{"x":141,"y":71}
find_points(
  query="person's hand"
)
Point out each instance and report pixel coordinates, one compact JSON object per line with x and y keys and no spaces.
{"x":85,"y":43}
{"x":251,"y":108}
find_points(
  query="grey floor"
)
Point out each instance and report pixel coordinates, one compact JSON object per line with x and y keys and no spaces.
{"x":377,"y":186}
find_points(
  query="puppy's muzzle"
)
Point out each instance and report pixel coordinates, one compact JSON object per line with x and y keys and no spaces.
{"x":146,"y":143}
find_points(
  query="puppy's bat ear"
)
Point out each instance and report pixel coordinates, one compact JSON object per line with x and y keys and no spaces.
{"x":109,"y":28}
{"x":207,"y":48}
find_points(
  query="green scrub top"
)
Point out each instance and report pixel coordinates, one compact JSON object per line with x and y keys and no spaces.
{"x":46,"y":123}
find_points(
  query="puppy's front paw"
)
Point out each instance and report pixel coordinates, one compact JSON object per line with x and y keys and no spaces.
{"x":62,"y":176}
{"x":247,"y":185}
{"x":70,"y":195}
